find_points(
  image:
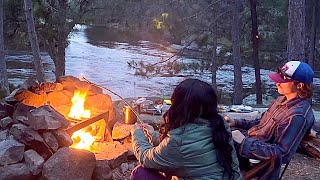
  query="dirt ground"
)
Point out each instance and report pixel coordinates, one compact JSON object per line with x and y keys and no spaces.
{"x":303,"y":167}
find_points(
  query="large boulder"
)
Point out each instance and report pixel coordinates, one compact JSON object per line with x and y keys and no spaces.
{"x":11,"y":151}
{"x":45,"y":117}
{"x":69,"y":163}
{"x":31,"y":139}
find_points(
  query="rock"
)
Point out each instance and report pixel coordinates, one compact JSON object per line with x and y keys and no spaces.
{"x":71,"y":84}
{"x":68,"y":82}
{"x":131,"y":166}
{"x":5,"y":110}
{"x":31,"y":81}
{"x":131,"y":155}
{"x":64,"y":139}
{"x":102,"y":171}
{"x":64,"y":109}
{"x":20,"y":113}
{"x":15,"y":171}
{"x":6,"y":123}
{"x":35,"y":100}
{"x":31,"y":139}
{"x":46,"y":87}
{"x":33,"y":161}
{"x":22,"y":94}
{"x":58,"y":98}
{"x":32,"y":99}
{"x":99,"y":101}
{"x":121,"y":130}
{"x":124,"y":167}
{"x":45,"y":117}
{"x":69,"y":163}
{"x":11,"y":151}
{"x":116,"y":175}
{"x":11,"y":98}
{"x":51,"y":140}
{"x":4,"y":135}
{"x":113,"y":154}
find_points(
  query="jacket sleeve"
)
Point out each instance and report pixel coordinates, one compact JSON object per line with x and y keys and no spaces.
{"x":245,"y":124}
{"x":286,"y":135}
{"x":235,"y":162}
{"x":154,"y":140}
{"x":165,"y":156}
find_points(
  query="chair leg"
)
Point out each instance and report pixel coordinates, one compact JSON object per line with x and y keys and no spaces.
{"x":285,"y":168}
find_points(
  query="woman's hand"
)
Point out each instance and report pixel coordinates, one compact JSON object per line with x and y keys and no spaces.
{"x":230,"y":121}
{"x":237,"y":136}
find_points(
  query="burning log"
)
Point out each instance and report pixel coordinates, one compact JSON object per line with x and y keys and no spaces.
{"x":85,"y":123}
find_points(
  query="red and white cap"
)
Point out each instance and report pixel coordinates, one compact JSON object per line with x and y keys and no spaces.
{"x":294,"y":71}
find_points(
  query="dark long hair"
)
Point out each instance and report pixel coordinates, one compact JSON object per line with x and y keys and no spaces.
{"x":194,"y":99}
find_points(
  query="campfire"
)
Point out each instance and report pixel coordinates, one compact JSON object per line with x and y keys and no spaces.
{"x":82,"y":139}
{"x":68,"y":129}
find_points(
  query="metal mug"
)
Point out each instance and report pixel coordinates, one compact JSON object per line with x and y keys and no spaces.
{"x":129,"y":117}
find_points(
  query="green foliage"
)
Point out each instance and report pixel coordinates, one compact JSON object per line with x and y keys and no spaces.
{"x":15,"y":35}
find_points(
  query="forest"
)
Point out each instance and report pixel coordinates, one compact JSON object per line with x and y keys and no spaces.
{"x":260,"y":34}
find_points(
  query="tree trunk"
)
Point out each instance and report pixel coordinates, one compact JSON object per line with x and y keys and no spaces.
{"x":296,"y":30}
{"x":62,"y":38}
{"x":313,"y":33}
{"x":255,"y":49}
{"x":214,"y":54}
{"x":3,"y":68}
{"x":214,"y":63}
{"x":235,"y":33}
{"x":34,"y":41}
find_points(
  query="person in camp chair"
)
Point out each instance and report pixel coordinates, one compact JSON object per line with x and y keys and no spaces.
{"x":281,"y":128}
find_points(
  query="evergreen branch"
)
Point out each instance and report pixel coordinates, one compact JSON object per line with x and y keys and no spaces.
{"x":201,"y":12}
{"x":142,"y":67}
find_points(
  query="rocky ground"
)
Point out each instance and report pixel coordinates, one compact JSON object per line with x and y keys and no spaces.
{"x":302,"y":167}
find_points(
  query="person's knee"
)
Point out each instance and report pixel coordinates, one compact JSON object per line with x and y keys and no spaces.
{"x":141,"y":173}
{"x":137,"y":171}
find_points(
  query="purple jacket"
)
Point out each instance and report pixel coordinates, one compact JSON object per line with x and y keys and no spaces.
{"x":279,"y":131}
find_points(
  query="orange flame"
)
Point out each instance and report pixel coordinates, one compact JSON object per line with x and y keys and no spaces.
{"x":77,"y":110}
{"x":84,"y":139}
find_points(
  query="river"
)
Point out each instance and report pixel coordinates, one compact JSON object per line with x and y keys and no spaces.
{"x":102,"y":58}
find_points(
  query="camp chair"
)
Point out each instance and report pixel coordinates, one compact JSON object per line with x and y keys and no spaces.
{"x":268,"y":170}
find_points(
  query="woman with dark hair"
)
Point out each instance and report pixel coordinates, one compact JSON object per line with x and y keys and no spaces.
{"x":194,"y":141}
